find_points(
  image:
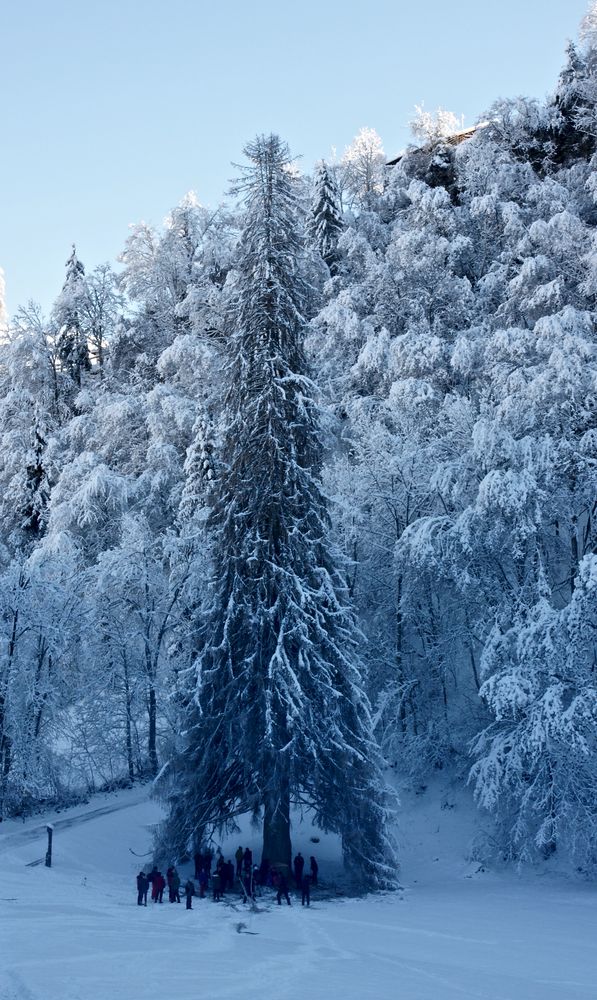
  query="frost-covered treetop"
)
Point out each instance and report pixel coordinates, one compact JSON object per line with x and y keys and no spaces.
{"x":363,"y":163}
{"x":433,"y":126}
{"x":588,"y":26}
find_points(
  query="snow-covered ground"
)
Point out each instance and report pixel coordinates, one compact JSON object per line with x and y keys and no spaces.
{"x":74,"y":932}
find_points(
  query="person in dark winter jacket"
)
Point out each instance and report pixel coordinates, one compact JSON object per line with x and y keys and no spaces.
{"x":217,"y":887}
{"x":239,"y":861}
{"x":142,"y":887}
{"x":189,"y":891}
{"x":198,"y":859}
{"x":306,"y":890}
{"x":314,"y":870}
{"x":203,"y":880}
{"x":299,"y":864}
{"x":222,"y":871}
{"x":281,"y":884}
{"x":173,"y":879}
{"x":151,"y":877}
{"x":247,"y":860}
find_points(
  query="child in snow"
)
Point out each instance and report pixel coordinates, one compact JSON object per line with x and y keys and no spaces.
{"x":189,"y":891}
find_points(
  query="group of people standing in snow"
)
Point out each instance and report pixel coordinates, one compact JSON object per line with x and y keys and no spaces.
{"x":158,"y":883}
{"x":248,"y":876}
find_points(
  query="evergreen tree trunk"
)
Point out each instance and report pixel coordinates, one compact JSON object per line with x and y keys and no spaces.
{"x":276,"y":826}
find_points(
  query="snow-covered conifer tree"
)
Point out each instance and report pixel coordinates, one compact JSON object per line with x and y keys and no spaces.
{"x":325,"y":223}
{"x":276,"y":708}
{"x":199,"y":470}
{"x":30,"y":409}
{"x":574,"y":103}
{"x":73,"y":350}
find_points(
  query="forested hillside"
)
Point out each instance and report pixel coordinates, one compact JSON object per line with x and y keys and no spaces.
{"x":447,"y":559}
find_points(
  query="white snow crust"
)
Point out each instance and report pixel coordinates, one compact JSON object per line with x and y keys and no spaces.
{"x":458,"y":930}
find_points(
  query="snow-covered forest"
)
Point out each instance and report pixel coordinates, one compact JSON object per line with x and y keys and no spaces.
{"x":429,"y":428}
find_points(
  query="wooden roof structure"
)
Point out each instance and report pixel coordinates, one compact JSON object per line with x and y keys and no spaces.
{"x":449,"y":140}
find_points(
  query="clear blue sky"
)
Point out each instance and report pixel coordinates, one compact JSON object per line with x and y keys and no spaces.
{"x":112,"y":110}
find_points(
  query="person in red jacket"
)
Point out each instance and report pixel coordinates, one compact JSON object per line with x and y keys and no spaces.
{"x":157,"y":888}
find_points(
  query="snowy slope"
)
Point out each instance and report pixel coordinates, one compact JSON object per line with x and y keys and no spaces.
{"x":75,"y":933}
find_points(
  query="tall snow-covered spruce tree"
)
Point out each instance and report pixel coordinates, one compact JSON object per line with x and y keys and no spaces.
{"x":73,"y":349}
{"x":326,"y":223}
{"x":276,"y":712}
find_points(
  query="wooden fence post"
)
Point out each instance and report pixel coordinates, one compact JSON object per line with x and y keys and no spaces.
{"x":50,"y":830}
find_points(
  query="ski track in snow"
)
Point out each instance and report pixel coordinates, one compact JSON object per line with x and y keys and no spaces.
{"x":74,"y":932}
